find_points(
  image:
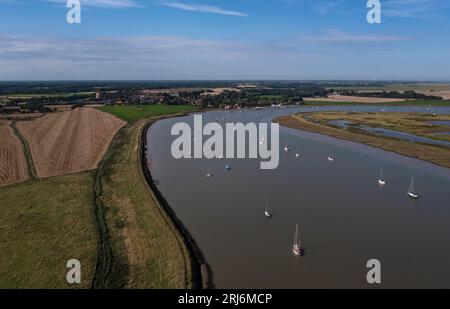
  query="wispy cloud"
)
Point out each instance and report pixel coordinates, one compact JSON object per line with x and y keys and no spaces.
{"x":204,"y":8}
{"x":334,"y":36}
{"x":421,"y":9}
{"x":103,"y":3}
{"x":332,"y":55}
{"x":325,"y":7}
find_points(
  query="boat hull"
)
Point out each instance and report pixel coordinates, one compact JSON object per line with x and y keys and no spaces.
{"x":413,"y":196}
{"x":297,"y":251}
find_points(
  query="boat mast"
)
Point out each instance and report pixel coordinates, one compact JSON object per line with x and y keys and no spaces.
{"x":411,"y":186}
{"x":296,"y":235}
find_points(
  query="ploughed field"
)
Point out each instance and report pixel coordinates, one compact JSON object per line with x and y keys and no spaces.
{"x":68,"y":142}
{"x":13,"y":166}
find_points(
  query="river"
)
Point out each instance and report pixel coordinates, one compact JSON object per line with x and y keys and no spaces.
{"x":345,"y":218}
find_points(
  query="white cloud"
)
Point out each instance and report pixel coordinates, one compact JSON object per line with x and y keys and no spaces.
{"x":204,"y":8}
{"x":333,"y":55}
{"x":334,"y":36}
{"x":103,"y":3}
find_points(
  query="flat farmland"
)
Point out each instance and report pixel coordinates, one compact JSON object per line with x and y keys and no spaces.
{"x":69,"y":142}
{"x":13,"y":165}
{"x":353,"y":99}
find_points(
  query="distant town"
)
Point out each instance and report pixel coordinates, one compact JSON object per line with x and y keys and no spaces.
{"x":41,"y":97}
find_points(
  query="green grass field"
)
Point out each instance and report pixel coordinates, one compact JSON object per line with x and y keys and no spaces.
{"x":43,"y":224}
{"x":132,"y":113}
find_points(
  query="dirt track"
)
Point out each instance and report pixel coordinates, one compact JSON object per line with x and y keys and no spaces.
{"x":70,"y":141}
{"x":13,"y":166}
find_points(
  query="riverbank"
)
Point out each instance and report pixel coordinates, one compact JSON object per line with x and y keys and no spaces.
{"x":201,"y":272}
{"x":305,"y":121}
{"x":142,"y":244}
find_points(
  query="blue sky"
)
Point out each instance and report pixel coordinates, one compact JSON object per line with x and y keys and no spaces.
{"x":225,"y":39}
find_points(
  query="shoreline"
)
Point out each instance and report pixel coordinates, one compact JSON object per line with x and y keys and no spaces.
{"x":433,"y":154}
{"x":201,"y":271}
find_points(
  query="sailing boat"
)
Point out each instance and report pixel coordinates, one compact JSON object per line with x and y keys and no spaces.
{"x":381,"y":181}
{"x":267,"y":212}
{"x":298,"y":251}
{"x":208,"y":175}
{"x":330,"y":157}
{"x":286,"y":148}
{"x":411,"y":192}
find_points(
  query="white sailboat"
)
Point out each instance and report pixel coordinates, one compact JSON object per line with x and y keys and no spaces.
{"x":267,"y":212}
{"x":297,"y":249}
{"x":330,"y":157}
{"x":411,"y":192}
{"x":381,"y":181}
{"x":286,"y":148}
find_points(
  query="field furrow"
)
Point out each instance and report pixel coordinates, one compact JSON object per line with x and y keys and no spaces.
{"x":13,"y":167}
{"x":70,"y":141}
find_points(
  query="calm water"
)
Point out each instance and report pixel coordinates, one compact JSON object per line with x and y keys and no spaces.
{"x":441,"y":123}
{"x":345,"y":218}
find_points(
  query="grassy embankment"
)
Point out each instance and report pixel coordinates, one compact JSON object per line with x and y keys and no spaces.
{"x":141,"y":247}
{"x":413,"y":123}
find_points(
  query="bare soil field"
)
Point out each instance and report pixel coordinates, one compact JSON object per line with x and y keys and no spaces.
{"x":69,"y":142}
{"x":13,"y":165}
{"x":217,"y":91}
{"x":351,"y":99}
